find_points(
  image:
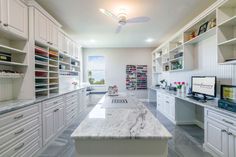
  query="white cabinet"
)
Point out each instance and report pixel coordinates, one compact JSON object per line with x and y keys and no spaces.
{"x":216,"y":137}
{"x":46,"y":31}
{"x":20,"y":132}
{"x":59,"y":119}
{"x":232,"y":142}
{"x":14,"y":17}
{"x":166,"y":105}
{"x":41,"y":27}
{"x":53,"y":118}
{"x":48,"y":126}
{"x":220,"y":134}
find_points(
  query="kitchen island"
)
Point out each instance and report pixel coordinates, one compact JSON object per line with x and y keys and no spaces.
{"x":121,"y":126}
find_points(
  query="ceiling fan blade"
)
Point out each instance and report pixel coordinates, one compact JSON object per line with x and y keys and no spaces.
{"x":140,"y":19}
{"x":108,"y":13}
{"x":118,"y":30}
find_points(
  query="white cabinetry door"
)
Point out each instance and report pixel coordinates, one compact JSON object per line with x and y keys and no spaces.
{"x":48,"y":126}
{"x":172,"y":110}
{"x":232,"y":142}
{"x":16,"y":19}
{"x":71,"y":48}
{"x":41,"y":27}
{"x":58,"y":119}
{"x":216,"y":137}
{"x":55,"y":35}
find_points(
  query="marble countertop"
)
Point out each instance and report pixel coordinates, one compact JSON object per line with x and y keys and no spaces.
{"x":12,"y":105}
{"x":130,"y":120}
{"x":211,"y":104}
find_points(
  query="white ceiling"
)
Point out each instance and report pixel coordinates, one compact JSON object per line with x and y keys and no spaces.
{"x":83,"y":21}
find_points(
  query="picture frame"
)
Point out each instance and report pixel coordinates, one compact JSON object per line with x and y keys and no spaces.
{"x":203,"y":28}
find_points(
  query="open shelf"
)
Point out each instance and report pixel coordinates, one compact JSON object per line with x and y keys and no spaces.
{"x":11,"y":50}
{"x":11,"y":75}
{"x":229,"y":22}
{"x":202,"y":37}
{"x":229,"y":42}
{"x":13,"y":63}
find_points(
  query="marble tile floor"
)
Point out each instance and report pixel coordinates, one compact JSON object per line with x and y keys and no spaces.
{"x":186,"y":142}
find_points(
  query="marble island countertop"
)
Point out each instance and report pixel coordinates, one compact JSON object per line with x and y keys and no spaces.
{"x":131,"y":120}
{"x":11,"y":105}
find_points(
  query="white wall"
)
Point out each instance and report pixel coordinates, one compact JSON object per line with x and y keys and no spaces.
{"x":116,"y":60}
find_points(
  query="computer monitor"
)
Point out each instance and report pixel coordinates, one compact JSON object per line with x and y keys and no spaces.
{"x":204,"y":85}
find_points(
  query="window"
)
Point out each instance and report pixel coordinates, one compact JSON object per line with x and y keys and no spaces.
{"x":96,"y":70}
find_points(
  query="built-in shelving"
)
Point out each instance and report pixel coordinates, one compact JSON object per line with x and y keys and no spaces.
{"x":46,"y":70}
{"x":226,"y":34}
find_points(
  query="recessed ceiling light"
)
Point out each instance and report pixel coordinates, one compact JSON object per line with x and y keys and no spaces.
{"x":149,"y":40}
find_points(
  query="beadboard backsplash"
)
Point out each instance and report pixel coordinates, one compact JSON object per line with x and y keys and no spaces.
{"x":205,"y":56}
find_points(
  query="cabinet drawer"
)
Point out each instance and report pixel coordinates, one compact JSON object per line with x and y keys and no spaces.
{"x":11,"y":118}
{"x":13,"y":133}
{"x":221,"y":118}
{"x":49,"y":104}
{"x":31,"y":150}
{"x":71,"y":103}
{"x":71,"y":109}
{"x":20,"y":145}
{"x":70,"y":117}
{"x":71,"y":96}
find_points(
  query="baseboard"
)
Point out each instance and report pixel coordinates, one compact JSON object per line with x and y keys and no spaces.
{"x":199,"y":124}
{"x":184,"y":123}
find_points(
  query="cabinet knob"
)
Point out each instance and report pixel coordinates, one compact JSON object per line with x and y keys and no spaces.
{"x":56,"y":110}
{"x":19,"y":132}
{"x":228,"y":122}
{"x":223,"y":131}
{"x":5,"y":24}
{"x":19,"y":147}
{"x":19,"y":117}
{"x":230,"y":134}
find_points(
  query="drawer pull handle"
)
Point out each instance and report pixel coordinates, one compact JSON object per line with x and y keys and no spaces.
{"x":167,"y":102}
{"x":56,"y":110}
{"x":19,"y":117}
{"x":223,"y":131}
{"x":5,"y":24}
{"x":230,"y":134}
{"x":19,"y":147}
{"x":228,"y":122}
{"x":19,"y":132}
{"x":55,"y":102}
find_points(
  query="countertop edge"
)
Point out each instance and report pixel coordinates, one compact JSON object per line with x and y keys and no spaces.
{"x":34,"y":101}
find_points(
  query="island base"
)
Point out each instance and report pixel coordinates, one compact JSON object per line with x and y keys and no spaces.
{"x":121,"y":148}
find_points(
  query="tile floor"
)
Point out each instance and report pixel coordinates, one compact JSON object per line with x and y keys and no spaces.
{"x":186,"y":142}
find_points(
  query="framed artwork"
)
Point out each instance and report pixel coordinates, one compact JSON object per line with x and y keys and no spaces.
{"x":203,"y":28}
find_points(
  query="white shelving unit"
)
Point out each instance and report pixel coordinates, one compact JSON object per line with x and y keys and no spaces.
{"x":46,"y":70}
{"x":69,"y":66}
{"x":227,"y":33}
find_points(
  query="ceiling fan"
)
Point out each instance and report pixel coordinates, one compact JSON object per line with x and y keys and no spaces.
{"x":122,"y":19}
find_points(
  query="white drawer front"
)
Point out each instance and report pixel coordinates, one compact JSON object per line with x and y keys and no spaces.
{"x":71,"y":103}
{"x":31,"y":150}
{"x":13,"y":133}
{"x":71,"y":96}
{"x":49,"y":104}
{"x":19,"y":145}
{"x":17,"y":116}
{"x":71,"y":109}
{"x":221,"y":118}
